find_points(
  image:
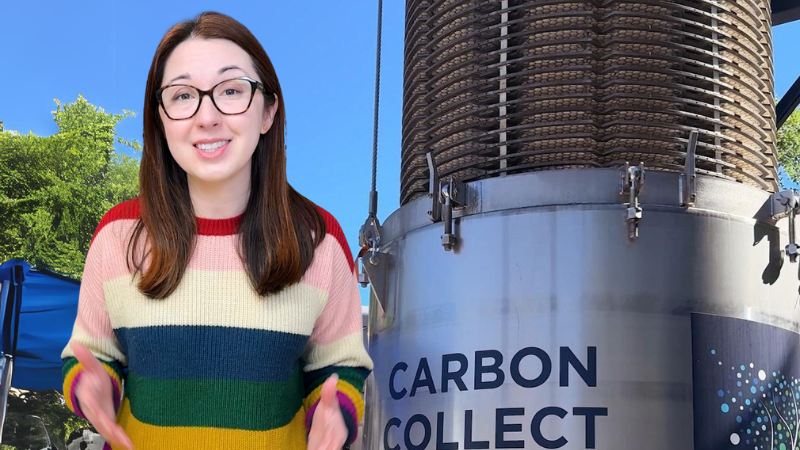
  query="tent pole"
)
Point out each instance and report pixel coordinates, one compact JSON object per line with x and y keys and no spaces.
{"x":12,"y":300}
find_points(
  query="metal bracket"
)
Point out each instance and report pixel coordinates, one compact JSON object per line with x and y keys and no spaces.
{"x":786,"y":204}
{"x":631,"y":182}
{"x":369,"y":238}
{"x":453,"y":194}
{"x":435,"y":213}
{"x":781,"y":203}
{"x":688,"y":190}
{"x":444,"y":195}
{"x":370,"y":235}
{"x":363,"y":278}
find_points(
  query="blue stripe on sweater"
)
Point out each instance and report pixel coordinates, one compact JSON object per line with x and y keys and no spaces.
{"x":211,"y":352}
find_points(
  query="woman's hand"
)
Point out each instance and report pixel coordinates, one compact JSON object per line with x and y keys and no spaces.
{"x":96,"y":396}
{"x":328,"y":431}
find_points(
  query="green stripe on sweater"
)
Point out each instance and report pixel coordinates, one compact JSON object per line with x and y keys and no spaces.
{"x":353,"y":375}
{"x":215,"y":403}
{"x":70,"y":362}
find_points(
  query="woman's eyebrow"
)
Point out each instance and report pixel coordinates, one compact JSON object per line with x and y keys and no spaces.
{"x":184,"y":76}
{"x":226,"y":68}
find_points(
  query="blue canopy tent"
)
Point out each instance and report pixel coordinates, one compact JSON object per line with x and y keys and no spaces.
{"x":38,"y":310}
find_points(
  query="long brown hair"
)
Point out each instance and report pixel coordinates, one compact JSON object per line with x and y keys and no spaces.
{"x":280,"y":229}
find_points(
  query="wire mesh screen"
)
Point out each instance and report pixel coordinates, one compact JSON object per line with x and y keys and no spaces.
{"x":496,"y":87}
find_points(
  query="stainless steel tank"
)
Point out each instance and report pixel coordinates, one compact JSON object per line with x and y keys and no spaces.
{"x":545,"y":286}
{"x":638,"y":297}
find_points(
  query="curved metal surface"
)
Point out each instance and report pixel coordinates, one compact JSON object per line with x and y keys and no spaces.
{"x":543,"y":261}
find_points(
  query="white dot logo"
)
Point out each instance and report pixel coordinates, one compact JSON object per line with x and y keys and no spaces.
{"x":735,"y":439}
{"x":762,"y":375}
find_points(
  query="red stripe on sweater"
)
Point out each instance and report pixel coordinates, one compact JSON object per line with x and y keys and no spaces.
{"x":335,"y":230}
{"x":125,"y":210}
{"x":131,"y":210}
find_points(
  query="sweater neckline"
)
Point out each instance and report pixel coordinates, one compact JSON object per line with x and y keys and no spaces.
{"x":218,"y":227}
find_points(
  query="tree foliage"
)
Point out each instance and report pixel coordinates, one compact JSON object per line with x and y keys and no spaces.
{"x":789,"y":147}
{"x":55,"y":189}
{"x":36,"y":416}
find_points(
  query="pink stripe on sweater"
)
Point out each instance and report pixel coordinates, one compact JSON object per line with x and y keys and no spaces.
{"x":113,"y":238}
{"x":96,"y":327}
{"x":216,"y":253}
{"x":318,"y":272}
{"x":342,"y":314}
{"x":92,"y":317}
{"x":212,"y":252}
{"x":91,"y":310}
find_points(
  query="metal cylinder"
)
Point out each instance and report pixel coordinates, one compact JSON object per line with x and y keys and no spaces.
{"x":637,"y":298}
{"x":510,"y":86}
{"x":547,"y":326}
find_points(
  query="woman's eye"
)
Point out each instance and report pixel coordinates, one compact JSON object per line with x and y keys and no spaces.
{"x":182,"y":97}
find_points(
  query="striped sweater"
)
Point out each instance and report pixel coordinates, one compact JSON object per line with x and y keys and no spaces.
{"x":214,"y":365}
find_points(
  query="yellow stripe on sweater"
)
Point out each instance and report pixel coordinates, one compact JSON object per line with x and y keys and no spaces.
{"x":151,"y":437}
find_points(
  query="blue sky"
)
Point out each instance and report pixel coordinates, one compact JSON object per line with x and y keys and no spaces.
{"x":323,"y":52}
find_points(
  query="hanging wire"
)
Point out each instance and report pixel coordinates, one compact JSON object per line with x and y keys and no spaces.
{"x":373,"y":207}
{"x":370,"y":233}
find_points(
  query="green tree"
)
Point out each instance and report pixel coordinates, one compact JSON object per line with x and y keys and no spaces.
{"x":789,"y":147}
{"x":33,"y":417}
{"x":55,"y":189}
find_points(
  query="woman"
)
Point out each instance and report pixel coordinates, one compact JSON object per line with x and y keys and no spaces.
{"x":220,"y":309}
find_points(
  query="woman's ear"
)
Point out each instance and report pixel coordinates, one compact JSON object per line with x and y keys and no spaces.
{"x":269,"y":116}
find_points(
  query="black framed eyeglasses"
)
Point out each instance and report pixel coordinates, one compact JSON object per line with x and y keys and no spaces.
{"x":230,"y":97}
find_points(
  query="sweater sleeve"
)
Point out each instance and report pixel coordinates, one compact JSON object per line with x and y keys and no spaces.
{"x":336,"y":344}
{"x":92,"y":329}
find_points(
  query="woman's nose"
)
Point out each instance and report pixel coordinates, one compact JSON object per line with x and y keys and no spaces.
{"x":208,"y":115}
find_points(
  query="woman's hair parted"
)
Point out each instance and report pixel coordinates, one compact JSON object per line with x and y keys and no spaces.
{"x":280,"y":229}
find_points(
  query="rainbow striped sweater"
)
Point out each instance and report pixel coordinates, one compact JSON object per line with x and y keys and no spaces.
{"x":214,"y":365}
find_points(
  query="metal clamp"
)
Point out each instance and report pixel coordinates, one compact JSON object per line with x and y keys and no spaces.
{"x":370,"y":235}
{"x":369,"y":238}
{"x":453,"y":195}
{"x":631,"y":182}
{"x":435,"y":213}
{"x":688,"y":191}
{"x":785,"y":204}
{"x":444,"y":195}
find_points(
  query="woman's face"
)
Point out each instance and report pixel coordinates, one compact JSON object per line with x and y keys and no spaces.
{"x":214,"y":149}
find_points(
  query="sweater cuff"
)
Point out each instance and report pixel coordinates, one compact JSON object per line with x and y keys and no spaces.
{"x":72,"y":376}
{"x":349,"y":414}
